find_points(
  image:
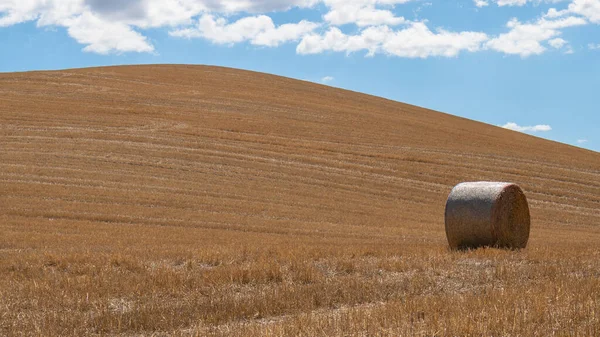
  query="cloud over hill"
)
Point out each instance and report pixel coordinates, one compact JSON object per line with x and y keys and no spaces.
{"x":370,"y":26}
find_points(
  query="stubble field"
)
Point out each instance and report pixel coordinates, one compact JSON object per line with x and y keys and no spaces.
{"x":189,"y":200}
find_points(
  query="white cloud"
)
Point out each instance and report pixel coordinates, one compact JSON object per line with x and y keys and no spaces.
{"x":553,"y":13}
{"x":142,"y":8}
{"x":327,"y":79}
{"x":47,"y":12}
{"x":15,"y":11}
{"x":257,"y":6}
{"x":557,"y":43}
{"x":588,"y":8}
{"x":511,"y":2}
{"x":104,"y":37}
{"x":419,"y":41}
{"x":593,"y":46}
{"x":334,"y":40}
{"x":582,"y":141}
{"x":147,"y":13}
{"x":259,"y":30}
{"x":519,"y":3}
{"x":107,"y":26}
{"x":99,"y":34}
{"x":115,"y":26}
{"x":535,"y":128}
{"x":362,"y":12}
{"x":415,"y":41}
{"x":525,"y":39}
{"x":362,"y":16}
{"x":284,"y":33}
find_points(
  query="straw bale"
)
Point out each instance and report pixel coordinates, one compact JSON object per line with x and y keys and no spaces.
{"x":487,"y":214}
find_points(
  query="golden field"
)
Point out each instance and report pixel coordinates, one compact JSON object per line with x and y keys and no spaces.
{"x":199,"y":201}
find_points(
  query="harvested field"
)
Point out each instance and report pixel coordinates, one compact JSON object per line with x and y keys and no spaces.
{"x":191,"y":200}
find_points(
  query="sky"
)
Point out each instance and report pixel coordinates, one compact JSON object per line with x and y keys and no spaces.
{"x":532,"y":66}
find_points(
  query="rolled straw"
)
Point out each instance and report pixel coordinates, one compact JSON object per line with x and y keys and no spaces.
{"x":487,"y":214}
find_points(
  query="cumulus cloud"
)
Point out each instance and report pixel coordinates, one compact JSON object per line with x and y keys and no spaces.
{"x":523,"y":2}
{"x":593,"y":46}
{"x":327,"y":79}
{"x":535,"y":128}
{"x":582,"y":141}
{"x":590,"y":9}
{"x":415,"y":41}
{"x":511,"y":2}
{"x":13,"y":12}
{"x":525,"y":39}
{"x":116,"y":26}
{"x":362,"y":12}
{"x":587,"y":8}
{"x":99,"y":34}
{"x":102,"y":36}
{"x":557,"y":43}
{"x":106,"y":26}
{"x":259,"y":30}
{"x":335,"y":40}
{"x":258,"y":6}
{"x":142,"y":8}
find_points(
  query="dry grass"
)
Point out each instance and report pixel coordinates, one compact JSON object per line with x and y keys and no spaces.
{"x":173,"y":200}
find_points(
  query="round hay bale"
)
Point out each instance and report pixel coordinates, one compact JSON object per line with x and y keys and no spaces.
{"x":485,"y":213}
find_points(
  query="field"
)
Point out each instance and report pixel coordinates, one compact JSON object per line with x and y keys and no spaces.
{"x":198,"y":201}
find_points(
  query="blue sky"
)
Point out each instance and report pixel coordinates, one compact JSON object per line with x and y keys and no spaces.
{"x":528,"y":65}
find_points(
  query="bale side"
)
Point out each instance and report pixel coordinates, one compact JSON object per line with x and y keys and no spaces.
{"x":511,"y":218}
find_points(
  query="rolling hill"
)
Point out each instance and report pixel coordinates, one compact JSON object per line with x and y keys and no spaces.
{"x":204,"y":200}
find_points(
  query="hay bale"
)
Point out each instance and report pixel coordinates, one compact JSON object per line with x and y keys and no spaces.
{"x":487,"y":214}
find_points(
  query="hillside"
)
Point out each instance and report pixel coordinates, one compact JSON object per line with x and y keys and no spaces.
{"x":185,"y":199}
